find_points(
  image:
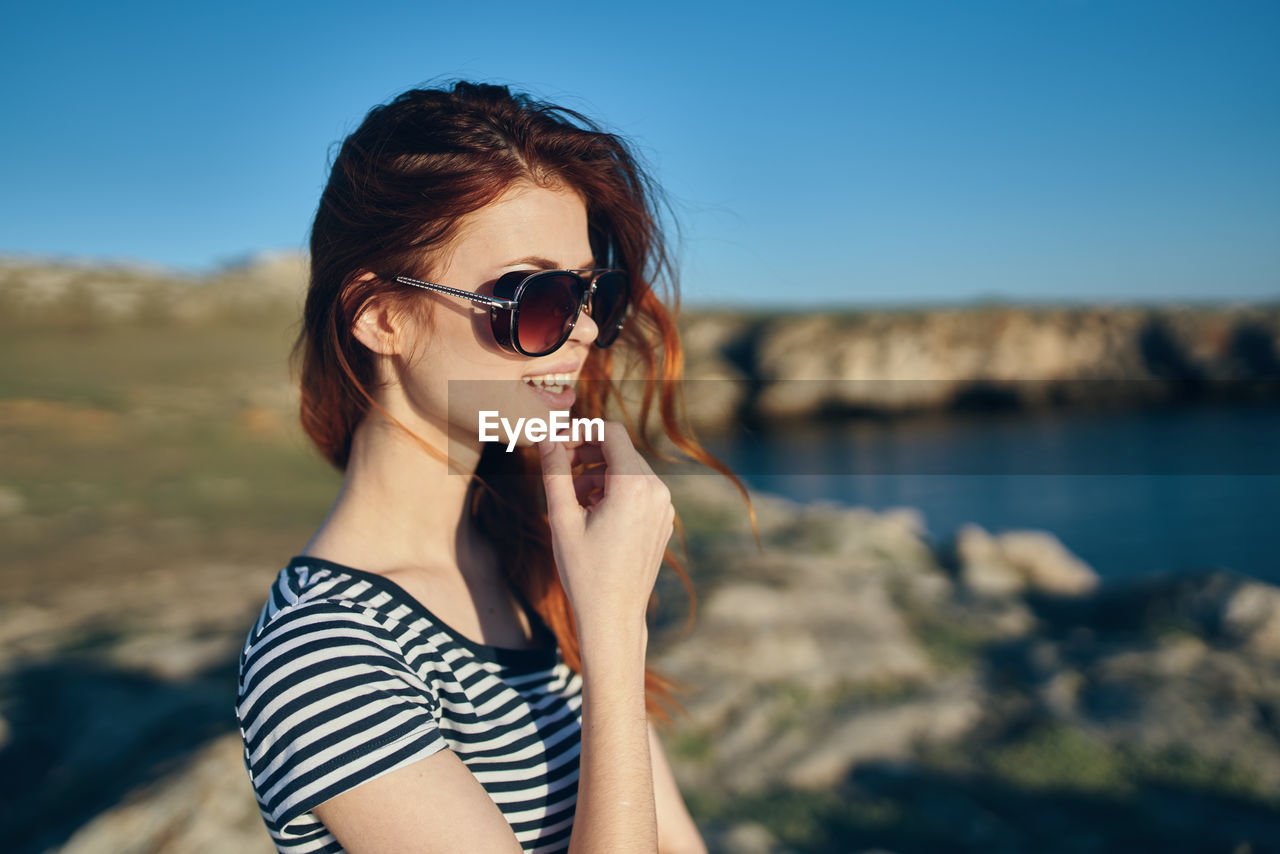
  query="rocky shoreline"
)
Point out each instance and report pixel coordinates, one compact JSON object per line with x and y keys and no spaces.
{"x":856,"y":673}
{"x":786,"y":368}
{"x":851,"y":687}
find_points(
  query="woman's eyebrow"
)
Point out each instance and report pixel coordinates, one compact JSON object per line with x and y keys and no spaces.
{"x":546,"y":263}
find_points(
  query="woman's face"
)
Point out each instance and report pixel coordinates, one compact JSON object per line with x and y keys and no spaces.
{"x":454,"y":368}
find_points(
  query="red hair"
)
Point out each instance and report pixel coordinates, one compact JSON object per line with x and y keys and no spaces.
{"x":398,"y":189}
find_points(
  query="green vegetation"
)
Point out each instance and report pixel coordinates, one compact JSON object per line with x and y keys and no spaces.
{"x":1049,"y":789}
{"x":692,"y":745}
{"x":813,"y":534}
{"x":705,"y":523}
{"x":794,"y":707}
{"x":805,"y":820}
{"x":1182,"y":769}
{"x":153,"y":442}
{"x":121,"y":366}
{"x":950,"y":643}
{"x":1057,"y":757}
{"x":872,"y":692}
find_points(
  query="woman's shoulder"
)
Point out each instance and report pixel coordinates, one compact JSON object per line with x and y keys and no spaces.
{"x":321,"y":619}
{"x":309,"y":588}
{"x":321,"y":604}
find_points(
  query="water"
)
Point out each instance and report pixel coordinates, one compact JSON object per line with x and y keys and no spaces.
{"x":1130,"y":492}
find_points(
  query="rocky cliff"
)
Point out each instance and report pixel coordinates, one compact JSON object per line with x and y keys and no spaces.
{"x":784,"y":367}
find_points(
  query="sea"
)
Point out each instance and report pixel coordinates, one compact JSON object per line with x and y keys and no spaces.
{"x":1130,"y":492}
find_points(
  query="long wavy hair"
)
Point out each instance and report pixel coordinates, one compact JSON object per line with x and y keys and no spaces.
{"x":397,"y":192}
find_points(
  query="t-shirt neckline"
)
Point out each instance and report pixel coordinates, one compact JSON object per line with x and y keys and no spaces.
{"x":506,"y":656}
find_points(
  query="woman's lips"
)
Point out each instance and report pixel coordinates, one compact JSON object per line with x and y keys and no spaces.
{"x":573,"y":367}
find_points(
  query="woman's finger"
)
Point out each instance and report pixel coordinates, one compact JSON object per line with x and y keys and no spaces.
{"x":557,"y":480}
{"x":588,"y":455}
{"x":586,"y":484}
{"x":620,"y":456}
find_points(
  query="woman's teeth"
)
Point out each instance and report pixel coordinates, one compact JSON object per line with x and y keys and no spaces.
{"x":554,"y":383}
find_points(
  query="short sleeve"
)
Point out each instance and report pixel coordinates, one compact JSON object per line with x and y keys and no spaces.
{"x":327,"y":701}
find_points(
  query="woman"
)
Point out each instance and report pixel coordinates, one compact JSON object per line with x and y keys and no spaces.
{"x":456,"y":660}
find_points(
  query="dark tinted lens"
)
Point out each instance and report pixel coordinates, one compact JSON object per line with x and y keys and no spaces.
{"x":609,"y":305}
{"x":548,"y":309}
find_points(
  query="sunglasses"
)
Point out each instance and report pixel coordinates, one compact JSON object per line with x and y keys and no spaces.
{"x":533,"y":314}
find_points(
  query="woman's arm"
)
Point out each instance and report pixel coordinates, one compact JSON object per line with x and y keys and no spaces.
{"x":677,"y":834}
{"x":615,"y":810}
{"x":609,"y":529}
{"x":437,"y":805}
{"x":434,"y":806}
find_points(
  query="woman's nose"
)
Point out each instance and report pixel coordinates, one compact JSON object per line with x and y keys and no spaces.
{"x":585,"y":329}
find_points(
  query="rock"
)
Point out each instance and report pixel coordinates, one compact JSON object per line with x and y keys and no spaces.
{"x":64,"y":292}
{"x":813,"y":623}
{"x":1181,"y":695}
{"x":983,"y":569}
{"x":892,"y":732}
{"x":1046,"y":563}
{"x":1251,"y":615}
{"x":747,"y":837}
{"x":713,"y":401}
{"x":1001,"y":618}
{"x":1060,"y":695}
{"x":842,"y":633}
{"x":206,"y":806}
{"x":1019,"y":560}
{"x":172,"y":654}
{"x":799,"y":366}
{"x":283,"y":271}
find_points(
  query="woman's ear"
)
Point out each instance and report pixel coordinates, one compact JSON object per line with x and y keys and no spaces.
{"x":378,"y":325}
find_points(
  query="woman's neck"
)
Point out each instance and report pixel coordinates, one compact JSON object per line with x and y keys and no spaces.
{"x":399,"y":506}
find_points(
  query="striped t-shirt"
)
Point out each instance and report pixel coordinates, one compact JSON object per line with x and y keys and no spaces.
{"x":345,"y":677}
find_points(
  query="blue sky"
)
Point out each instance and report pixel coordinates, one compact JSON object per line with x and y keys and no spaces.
{"x":850,"y":153}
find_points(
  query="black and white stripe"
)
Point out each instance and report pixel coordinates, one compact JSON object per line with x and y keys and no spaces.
{"x":345,"y":677}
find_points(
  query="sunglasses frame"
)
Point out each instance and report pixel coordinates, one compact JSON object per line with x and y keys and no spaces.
{"x":504,"y":314}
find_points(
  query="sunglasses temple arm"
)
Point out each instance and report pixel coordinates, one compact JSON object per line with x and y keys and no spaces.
{"x":492,"y":302}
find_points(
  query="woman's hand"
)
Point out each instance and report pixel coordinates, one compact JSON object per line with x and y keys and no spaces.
{"x":609,"y":527}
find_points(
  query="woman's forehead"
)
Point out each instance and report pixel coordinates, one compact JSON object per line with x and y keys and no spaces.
{"x":524,"y":225}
